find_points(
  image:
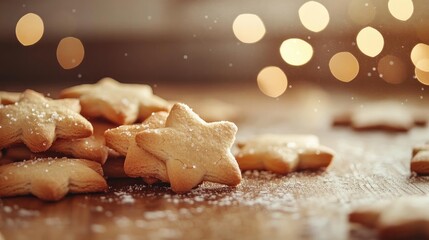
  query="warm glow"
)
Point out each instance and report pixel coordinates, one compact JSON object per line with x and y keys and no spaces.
{"x":314,"y":16}
{"x":296,"y":52}
{"x":272,"y":81}
{"x":344,"y":66}
{"x":29,"y":29}
{"x":422,"y":76}
{"x":392,"y":69}
{"x":420,"y":57}
{"x":370,"y":41}
{"x":70,"y":52}
{"x":362,"y":12}
{"x":401,"y":9}
{"x":248,"y":28}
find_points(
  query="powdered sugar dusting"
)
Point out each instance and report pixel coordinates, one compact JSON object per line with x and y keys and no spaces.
{"x":125,"y":198}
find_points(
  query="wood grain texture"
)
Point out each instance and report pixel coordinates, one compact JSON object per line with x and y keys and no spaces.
{"x":305,"y":205}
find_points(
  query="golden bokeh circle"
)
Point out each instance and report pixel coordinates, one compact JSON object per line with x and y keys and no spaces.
{"x":422,"y":76}
{"x":248,"y":28}
{"x":70,"y":52}
{"x":272,"y":81}
{"x":392,"y":69}
{"x":420,"y":56}
{"x":296,"y":52}
{"x":314,"y":16}
{"x":29,"y":29}
{"x":344,"y":66}
{"x":370,"y":41}
{"x":401,"y":9}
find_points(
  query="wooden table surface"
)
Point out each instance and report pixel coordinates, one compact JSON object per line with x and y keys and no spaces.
{"x":304,"y":205}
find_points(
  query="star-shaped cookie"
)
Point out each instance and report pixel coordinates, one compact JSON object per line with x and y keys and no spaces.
{"x":139,"y":162}
{"x":403,"y":218}
{"x":193,"y":150}
{"x":117,"y":102}
{"x":51,"y":179}
{"x":386,"y":115}
{"x":90,"y":148}
{"x":283,"y":153}
{"x":37,"y":121}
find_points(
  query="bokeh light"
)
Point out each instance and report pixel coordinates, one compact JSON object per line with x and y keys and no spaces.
{"x":370,"y":41}
{"x":362,"y":12}
{"x":392,"y":69}
{"x":29,"y":29}
{"x":422,"y":76}
{"x":70,"y":52}
{"x":272,"y":81}
{"x":248,"y":28}
{"x":344,"y":66}
{"x":401,"y":9}
{"x":314,"y":16}
{"x":420,"y":56}
{"x":296,"y":52}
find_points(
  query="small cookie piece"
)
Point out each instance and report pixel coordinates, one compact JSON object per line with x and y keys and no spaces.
{"x":51,"y":179}
{"x":37,"y":121}
{"x":193,"y":150}
{"x":9,"y":97}
{"x":118,"y":102}
{"x":419,"y":148}
{"x":283,"y":153}
{"x":90,"y":148}
{"x":420,"y":159}
{"x":212,"y":110}
{"x":403,"y":218}
{"x":139,"y":162}
{"x":385,"y":115}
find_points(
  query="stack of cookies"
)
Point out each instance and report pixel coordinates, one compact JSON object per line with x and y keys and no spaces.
{"x":42,"y":126}
{"x":53,"y":147}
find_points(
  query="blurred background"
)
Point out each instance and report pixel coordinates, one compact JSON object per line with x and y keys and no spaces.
{"x":208,"y":42}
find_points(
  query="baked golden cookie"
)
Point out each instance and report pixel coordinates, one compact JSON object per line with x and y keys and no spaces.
{"x":118,"y":102}
{"x":37,"y":121}
{"x":193,"y":150}
{"x":403,"y":218}
{"x":51,"y":179}
{"x":283,"y":153}
{"x":139,"y":162}
{"x":383,"y":115}
{"x":90,"y":148}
